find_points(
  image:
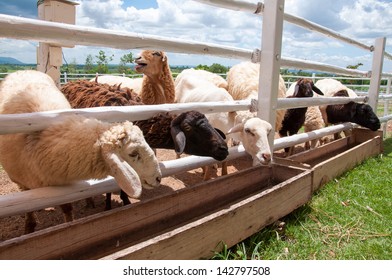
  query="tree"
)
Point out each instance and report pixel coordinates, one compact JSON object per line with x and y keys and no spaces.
{"x":201,"y":67}
{"x":71,"y":67}
{"x":126,"y":58}
{"x":354,"y":66}
{"x":218,"y":68}
{"x":89,"y":64}
{"x":103,"y":62}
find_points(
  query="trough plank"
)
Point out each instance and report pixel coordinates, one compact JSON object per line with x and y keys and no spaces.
{"x":333,"y":159}
{"x":232,"y":224}
{"x":125,"y":225}
{"x":337,"y":165}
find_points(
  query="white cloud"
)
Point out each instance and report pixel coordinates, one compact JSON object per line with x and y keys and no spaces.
{"x":191,"y":20}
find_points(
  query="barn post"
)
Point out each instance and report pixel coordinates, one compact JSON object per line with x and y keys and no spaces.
{"x":378,"y":59}
{"x":49,"y":56}
{"x":271,"y":46}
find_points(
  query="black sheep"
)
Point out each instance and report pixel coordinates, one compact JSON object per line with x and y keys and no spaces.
{"x":294,"y":118}
{"x":358,"y":113}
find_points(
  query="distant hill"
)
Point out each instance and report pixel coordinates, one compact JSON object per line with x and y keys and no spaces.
{"x":10,"y":60}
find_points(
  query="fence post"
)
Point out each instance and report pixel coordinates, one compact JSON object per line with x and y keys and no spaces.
{"x":386,"y":106}
{"x":270,"y":62}
{"x":49,"y":56}
{"x":378,"y":59}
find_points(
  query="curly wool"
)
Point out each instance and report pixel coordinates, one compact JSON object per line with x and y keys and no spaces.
{"x":84,"y":94}
{"x":243,"y":83}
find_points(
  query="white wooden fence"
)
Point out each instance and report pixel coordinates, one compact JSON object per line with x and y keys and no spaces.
{"x":269,"y":57}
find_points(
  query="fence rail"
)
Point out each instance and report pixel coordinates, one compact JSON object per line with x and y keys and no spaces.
{"x":65,"y":34}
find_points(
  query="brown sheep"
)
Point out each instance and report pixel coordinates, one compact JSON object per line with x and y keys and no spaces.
{"x":158,"y":83}
{"x":85,"y":94}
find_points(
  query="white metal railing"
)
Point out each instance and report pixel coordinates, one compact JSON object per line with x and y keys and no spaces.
{"x":68,"y":34}
{"x":259,"y":9}
{"x":65,"y":34}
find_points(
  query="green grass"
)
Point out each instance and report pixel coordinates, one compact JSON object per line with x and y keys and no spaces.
{"x":349,"y":218}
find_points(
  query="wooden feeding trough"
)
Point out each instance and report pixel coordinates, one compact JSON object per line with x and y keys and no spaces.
{"x":189,"y":223}
{"x":333,"y":159}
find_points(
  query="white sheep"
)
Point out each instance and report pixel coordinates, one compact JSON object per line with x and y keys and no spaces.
{"x":243,"y":83}
{"x":214,"y":78}
{"x":252,"y":132}
{"x":74,"y":149}
{"x":135,"y":84}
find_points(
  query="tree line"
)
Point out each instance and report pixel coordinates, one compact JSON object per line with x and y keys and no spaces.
{"x":100,"y":63}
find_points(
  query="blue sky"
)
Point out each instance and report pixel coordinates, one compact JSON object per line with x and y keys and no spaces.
{"x":140,"y":4}
{"x":364,"y":20}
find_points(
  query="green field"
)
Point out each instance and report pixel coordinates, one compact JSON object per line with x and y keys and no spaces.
{"x":350,"y":218}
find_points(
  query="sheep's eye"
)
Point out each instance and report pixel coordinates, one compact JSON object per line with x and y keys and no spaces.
{"x":187,"y":127}
{"x":156,"y":53}
{"x":201,"y":123}
{"x":134,"y":154}
{"x":247,"y":130}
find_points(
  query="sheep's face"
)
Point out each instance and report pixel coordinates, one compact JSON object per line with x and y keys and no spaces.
{"x":151,"y":63}
{"x":305,"y":88}
{"x":130,"y":160}
{"x":254,"y":137}
{"x":138,"y":154}
{"x":193,"y":134}
{"x":363,"y":115}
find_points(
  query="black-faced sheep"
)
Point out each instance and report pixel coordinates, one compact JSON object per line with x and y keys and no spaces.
{"x":75,"y":149}
{"x":189,"y":132}
{"x":198,"y":86}
{"x":158,"y":83}
{"x":294,"y":118}
{"x":358,"y":113}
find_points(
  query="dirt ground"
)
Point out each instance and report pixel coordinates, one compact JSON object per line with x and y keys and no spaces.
{"x":11,"y":227}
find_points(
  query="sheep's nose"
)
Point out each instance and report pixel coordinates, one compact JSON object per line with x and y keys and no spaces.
{"x":158,"y":179}
{"x":266,"y":157}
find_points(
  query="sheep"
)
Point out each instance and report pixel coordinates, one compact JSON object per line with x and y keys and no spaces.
{"x":214,"y":78}
{"x":189,"y":132}
{"x":158,"y":82}
{"x":77,"y":148}
{"x":85,"y":94}
{"x":294,"y":118}
{"x":158,"y":129}
{"x":191,"y":86}
{"x":243,"y":83}
{"x":313,"y":121}
{"x":134,"y":84}
{"x":358,"y":113}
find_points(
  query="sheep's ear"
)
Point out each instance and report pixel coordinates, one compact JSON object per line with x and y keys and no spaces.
{"x":317,"y":90}
{"x":125,"y":176}
{"x":296,"y":89}
{"x":220,"y":132}
{"x":179,"y":139}
{"x":237,"y":128}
